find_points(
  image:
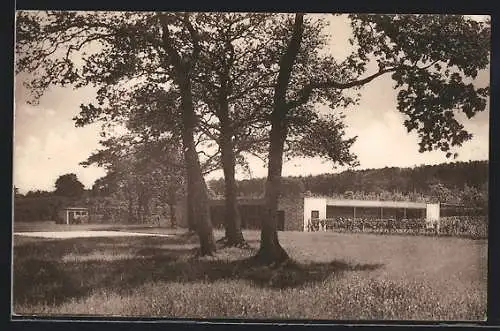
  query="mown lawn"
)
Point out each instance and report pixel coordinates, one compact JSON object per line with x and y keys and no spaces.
{"x":337,"y":276}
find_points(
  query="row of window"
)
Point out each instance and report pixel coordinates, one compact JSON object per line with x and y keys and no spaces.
{"x":376,"y":212}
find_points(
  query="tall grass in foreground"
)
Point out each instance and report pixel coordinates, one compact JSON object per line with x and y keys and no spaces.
{"x":337,"y":276}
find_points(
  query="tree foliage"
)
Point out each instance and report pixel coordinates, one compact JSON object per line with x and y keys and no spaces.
{"x":146,"y":178}
{"x":463,"y":183}
{"x":68,"y":185}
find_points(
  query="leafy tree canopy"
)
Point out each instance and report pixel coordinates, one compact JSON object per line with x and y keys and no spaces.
{"x":68,"y":185}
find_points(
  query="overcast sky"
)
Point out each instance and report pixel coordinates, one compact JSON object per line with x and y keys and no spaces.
{"x":47,"y":145}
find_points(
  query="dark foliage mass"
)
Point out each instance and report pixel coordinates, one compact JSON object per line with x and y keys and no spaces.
{"x":463,"y":183}
{"x":68,"y":185}
{"x":474,"y":227}
{"x":42,"y":205}
{"x":458,"y":182}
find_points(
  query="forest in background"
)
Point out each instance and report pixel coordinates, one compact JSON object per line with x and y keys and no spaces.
{"x":462,"y":183}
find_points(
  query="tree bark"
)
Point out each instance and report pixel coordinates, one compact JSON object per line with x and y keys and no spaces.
{"x":232,"y":217}
{"x":189,"y":213}
{"x":197,"y":191}
{"x":271,"y":250}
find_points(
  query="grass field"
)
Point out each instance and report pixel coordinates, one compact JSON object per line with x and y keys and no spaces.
{"x":337,"y":276}
{"x":52,"y":226}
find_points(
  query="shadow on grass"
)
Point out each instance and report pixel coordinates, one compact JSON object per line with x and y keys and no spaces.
{"x":44,"y":274}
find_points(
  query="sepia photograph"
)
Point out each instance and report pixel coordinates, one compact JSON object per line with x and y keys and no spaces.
{"x":251,"y":165}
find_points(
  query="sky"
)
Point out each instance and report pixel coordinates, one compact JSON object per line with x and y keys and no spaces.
{"x":47,"y":144}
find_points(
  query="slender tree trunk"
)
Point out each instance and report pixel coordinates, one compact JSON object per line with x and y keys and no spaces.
{"x":197,"y":191}
{"x":270,"y":249}
{"x":232,"y":217}
{"x":140,"y":211}
{"x":130,"y":210}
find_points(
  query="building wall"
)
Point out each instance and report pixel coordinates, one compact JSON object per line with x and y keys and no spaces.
{"x":432,"y":215}
{"x":294,"y":212}
{"x":293,"y":208}
{"x":432,"y":212}
{"x":310,"y":204}
{"x":297,"y":211}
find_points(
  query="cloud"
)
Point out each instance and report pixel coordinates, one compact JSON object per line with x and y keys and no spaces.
{"x":386,"y":143}
{"x":38,"y":161}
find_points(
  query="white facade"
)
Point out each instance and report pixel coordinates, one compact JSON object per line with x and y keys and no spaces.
{"x":313,"y":204}
{"x":318,"y":206}
{"x":432,"y":214}
{"x":75,"y":213}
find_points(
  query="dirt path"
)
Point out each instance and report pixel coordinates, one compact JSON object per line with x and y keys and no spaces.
{"x":86,"y":234}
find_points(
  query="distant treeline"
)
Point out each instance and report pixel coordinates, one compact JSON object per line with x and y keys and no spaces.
{"x":463,"y":183}
{"x":43,"y":207}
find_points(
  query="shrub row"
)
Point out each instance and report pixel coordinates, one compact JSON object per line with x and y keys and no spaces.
{"x":472,"y":226}
{"x":468,"y":226}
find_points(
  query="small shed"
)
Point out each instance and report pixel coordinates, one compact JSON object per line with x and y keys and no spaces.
{"x":74,"y":215}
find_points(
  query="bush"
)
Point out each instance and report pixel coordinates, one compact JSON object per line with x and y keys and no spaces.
{"x":34,"y":209}
{"x":468,"y":226}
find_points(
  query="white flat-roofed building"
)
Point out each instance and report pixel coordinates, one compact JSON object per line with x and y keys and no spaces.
{"x":327,"y":208}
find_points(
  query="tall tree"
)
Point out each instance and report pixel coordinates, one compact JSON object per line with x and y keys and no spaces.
{"x":229,"y":84}
{"x":141,"y":173}
{"x":429,"y":56}
{"x":68,"y":185}
{"x":161,"y":47}
{"x":183,"y":69}
{"x":149,"y":115}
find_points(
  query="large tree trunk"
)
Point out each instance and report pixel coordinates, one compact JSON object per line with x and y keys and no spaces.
{"x":197,"y":191}
{"x":232,"y":217}
{"x":271,"y":250}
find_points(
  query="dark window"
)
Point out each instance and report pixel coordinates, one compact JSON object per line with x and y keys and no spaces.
{"x":339,"y":211}
{"x":368,"y":212}
{"x":314,"y":214}
{"x":415,"y":213}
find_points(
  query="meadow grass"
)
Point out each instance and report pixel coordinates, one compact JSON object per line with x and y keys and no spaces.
{"x":336,"y":276}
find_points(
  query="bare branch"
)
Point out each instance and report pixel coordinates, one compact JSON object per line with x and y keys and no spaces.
{"x":305,"y":92}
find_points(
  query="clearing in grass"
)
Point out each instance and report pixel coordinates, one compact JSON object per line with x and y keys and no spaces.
{"x":333,"y":276}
